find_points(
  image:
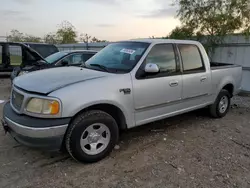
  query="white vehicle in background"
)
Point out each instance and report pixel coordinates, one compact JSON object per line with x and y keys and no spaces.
{"x":127,"y":84}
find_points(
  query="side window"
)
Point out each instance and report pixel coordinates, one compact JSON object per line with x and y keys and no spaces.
{"x":191,"y":58}
{"x":86,"y":57}
{"x":164,"y":56}
{"x":66,"y":59}
{"x":76,"y":59}
{"x":73,"y":59}
{"x":15,"y":55}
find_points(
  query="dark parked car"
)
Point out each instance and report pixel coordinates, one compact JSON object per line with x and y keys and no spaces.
{"x":63,"y":58}
{"x":14,"y":55}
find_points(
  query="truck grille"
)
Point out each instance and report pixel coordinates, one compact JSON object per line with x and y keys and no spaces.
{"x":17,"y":100}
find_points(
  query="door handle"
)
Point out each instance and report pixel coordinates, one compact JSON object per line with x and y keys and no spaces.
{"x":173,"y":83}
{"x":203,"y":78}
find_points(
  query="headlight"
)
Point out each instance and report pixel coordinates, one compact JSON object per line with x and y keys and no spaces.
{"x":43,"y":106}
{"x":22,"y":73}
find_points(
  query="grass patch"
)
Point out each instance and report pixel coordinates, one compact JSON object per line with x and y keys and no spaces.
{"x":15,"y":59}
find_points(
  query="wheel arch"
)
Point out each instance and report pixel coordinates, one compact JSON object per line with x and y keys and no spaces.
{"x":226,"y":83}
{"x":111,"y":109}
{"x":230,"y":88}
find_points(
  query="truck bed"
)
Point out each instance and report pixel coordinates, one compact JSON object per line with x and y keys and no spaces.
{"x":216,"y":65}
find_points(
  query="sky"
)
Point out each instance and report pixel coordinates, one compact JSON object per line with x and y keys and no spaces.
{"x":105,"y":19}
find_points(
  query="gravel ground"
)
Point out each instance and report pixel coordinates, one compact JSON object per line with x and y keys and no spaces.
{"x":191,"y":150}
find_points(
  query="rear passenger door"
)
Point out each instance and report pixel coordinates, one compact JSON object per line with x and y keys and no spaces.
{"x":196,"y":79}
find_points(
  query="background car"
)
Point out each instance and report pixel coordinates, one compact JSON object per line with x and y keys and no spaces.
{"x":15,"y":54}
{"x":63,"y":58}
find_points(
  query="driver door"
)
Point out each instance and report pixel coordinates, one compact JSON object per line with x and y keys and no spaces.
{"x":158,"y":95}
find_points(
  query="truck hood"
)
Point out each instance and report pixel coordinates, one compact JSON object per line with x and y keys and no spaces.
{"x":46,"y":81}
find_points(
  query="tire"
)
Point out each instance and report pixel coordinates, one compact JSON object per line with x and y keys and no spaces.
{"x":216,"y":108}
{"x":85,"y":142}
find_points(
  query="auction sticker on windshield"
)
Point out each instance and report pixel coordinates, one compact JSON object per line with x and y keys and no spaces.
{"x":127,"y":51}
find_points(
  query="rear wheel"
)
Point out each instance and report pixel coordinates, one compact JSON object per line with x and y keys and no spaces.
{"x":221,"y":105}
{"x":92,"y":136}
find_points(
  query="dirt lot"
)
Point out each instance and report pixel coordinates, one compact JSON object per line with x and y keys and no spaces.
{"x":190,"y":150}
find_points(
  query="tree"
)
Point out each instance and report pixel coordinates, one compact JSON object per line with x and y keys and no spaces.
{"x":94,"y":39}
{"x":182,"y":32}
{"x":31,"y":38}
{"x":85,"y":38}
{"x":214,"y":19}
{"x":104,"y":41}
{"x":15,"y":36}
{"x":50,"y":38}
{"x":66,"y":33}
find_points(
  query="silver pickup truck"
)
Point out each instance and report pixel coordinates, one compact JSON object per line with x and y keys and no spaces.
{"x":127,"y":84}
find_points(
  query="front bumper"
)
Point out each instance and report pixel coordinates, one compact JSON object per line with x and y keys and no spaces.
{"x":35,"y":132}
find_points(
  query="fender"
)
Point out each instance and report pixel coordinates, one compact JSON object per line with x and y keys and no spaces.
{"x":129,"y":118}
{"x":225,"y":81}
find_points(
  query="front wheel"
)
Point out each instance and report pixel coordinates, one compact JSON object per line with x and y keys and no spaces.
{"x":92,"y":136}
{"x":221,"y":105}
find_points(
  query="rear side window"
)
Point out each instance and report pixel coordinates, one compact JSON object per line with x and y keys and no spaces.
{"x":191,"y":58}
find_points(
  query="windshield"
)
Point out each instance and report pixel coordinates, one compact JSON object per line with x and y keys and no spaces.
{"x":55,"y":57}
{"x":118,"y":57}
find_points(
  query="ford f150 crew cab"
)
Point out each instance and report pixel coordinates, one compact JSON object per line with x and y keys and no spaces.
{"x":127,"y":84}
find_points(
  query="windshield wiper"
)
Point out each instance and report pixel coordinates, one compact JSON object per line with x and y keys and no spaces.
{"x":100,"y":66}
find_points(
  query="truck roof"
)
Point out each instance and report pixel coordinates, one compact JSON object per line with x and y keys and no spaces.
{"x":156,"y":41}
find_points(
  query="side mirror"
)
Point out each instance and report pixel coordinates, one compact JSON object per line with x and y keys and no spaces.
{"x":64,"y":63}
{"x":151,"y":68}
